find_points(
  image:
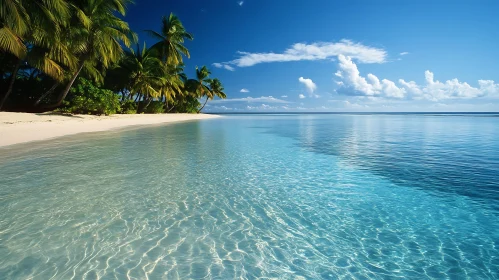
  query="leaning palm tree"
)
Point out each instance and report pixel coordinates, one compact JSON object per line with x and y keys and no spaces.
{"x":199,"y":86}
{"x":216,"y":89}
{"x":172,"y":36}
{"x":30,"y":31}
{"x":97,"y":37}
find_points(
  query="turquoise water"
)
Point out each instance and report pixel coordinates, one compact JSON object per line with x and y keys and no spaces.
{"x":266,"y":196}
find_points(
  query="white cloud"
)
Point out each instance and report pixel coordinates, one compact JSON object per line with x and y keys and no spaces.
{"x":261,"y":107}
{"x":314,"y":51}
{"x":284,"y":96}
{"x":354,"y":84}
{"x":411,"y":87}
{"x":404,"y":53}
{"x":391,"y":90}
{"x":266,"y":99}
{"x":451,"y":89}
{"x":211,"y":108}
{"x":244,"y":90}
{"x":349,"y":104}
{"x":240,"y":3}
{"x":352,"y":78}
{"x":309,"y":84}
{"x":225,"y":108}
{"x":301,"y":96}
{"x":224,"y":66}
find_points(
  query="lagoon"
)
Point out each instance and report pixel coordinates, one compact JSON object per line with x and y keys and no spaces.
{"x":298,"y":196}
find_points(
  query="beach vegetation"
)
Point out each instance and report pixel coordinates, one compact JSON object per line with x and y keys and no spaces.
{"x":88,"y":98}
{"x":80,"y":56}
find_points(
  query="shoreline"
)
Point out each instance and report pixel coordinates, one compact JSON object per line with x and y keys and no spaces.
{"x":18,"y":128}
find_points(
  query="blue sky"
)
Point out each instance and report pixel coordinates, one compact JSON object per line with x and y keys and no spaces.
{"x":340,"y":56}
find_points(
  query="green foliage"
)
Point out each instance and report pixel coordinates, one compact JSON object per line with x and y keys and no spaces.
{"x":187,"y":104}
{"x":47,"y":45}
{"x":155,"y":107}
{"x":171,"y":40}
{"x":87,"y":98}
{"x":129,"y":107}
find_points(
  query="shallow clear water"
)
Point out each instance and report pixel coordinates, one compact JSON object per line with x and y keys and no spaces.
{"x":283,"y":196}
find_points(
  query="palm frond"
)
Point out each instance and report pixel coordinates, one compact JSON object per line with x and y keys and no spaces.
{"x":11,"y":43}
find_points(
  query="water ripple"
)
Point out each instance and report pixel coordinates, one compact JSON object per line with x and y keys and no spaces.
{"x":230,"y":199}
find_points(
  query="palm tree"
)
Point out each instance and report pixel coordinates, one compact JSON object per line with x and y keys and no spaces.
{"x":172,"y":36}
{"x":144,"y":71}
{"x":96,"y":37}
{"x":172,"y":84}
{"x":216,"y":89}
{"x":30,"y":31}
{"x":13,"y":26}
{"x":199,"y":86}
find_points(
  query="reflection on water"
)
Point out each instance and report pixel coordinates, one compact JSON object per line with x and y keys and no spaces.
{"x":295,"y":197}
{"x":451,"y":154}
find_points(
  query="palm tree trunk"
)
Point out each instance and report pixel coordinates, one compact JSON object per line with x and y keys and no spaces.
{"x":46,"y":94}
{"x":147,"y":105}
{"x":203,"y":105}
{"x":65,"y":92}
{"x":11,"y":83}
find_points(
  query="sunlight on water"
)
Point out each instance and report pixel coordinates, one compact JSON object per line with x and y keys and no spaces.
{"x":288,"y":197}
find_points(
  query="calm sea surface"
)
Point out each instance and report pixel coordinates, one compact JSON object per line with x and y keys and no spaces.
{"x":258,"y":196}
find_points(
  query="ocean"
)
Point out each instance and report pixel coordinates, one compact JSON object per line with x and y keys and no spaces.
{"x":268,"y":196}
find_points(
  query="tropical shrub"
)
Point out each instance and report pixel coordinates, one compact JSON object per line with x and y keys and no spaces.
{"x":87,"y":98}
{"x":155,"y":107}
{"x":187,"y":104}
{"x":129,"y":107}
{"x":48,"y":48}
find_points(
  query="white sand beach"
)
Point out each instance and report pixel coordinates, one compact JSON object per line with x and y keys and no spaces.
{"x":16,"y":128}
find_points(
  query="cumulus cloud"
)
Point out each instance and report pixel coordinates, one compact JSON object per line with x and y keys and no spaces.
{"x":350,"y":74}
{"x":262,"y":99}
{"x":240,"y":3}
{"x":224,"y":66}
{"x":314,"y":51}
{"x":309,"y":84}
{"x":301,"y":96}
{"x":284,"y":96}
{"x":404,"y":53}
{"x":244,"y":90}
{"x":451,"y":89}
{"x":411,"y":87}
{"x":354,"y":84}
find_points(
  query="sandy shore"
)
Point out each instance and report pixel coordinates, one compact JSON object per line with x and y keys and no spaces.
{"x":18,"y":128}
